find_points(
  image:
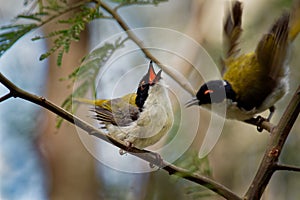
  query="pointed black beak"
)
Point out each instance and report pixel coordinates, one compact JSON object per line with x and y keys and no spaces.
{"x":192,"y":102}
{"x":158,"y":76}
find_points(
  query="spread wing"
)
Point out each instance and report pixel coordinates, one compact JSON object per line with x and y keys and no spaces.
{"x":273,"y":47}
{"x":232,"y":30}
{"x":119,"y":111}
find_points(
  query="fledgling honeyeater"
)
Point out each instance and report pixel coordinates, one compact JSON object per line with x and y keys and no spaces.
{"x":252,"y":82}
{"x":140,"y":119}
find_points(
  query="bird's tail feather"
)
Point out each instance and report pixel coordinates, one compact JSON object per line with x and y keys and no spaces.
{"x":96,"y":102}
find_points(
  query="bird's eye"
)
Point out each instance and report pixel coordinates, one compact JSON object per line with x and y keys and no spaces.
{"x":208,"y":91}
{"x":142,"y":83}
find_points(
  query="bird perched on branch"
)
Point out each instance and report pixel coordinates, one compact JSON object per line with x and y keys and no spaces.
{"x":252,"y":82}
{"x":139,"y":119}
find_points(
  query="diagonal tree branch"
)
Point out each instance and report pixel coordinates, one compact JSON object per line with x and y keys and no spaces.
{"x":279,"y":135}
{"x":184,"y":84}
{"x":146,"y":155}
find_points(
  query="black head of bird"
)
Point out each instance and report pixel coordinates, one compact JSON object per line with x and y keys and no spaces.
{"x":215,"y":91}
{"x":148,"y":81}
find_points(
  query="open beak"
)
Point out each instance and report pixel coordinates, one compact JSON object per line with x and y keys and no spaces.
{"x":192,"y":102}
{"x":152,"y":76}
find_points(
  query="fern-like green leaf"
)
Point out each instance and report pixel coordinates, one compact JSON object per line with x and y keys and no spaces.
{"x":32,"y":17}
{"x":128,"y":2}
{"x":191,"y":162}
{"x":197,"y":192}
{"x":10,"y":34}
{"x":63,"y":38}
{"x":85,"y":75}
{"x":123,"y":3}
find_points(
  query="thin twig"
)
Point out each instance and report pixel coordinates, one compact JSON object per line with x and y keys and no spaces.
{"x":143,"y":154}
{"x":287,"y":167}
{"x":184,"y":84}
{"x":5,"y":97}
{"x":68,"y":9}
{"x":279,"y":135}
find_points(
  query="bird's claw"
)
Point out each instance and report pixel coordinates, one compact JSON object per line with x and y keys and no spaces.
{"x":260,"y":120}
{"x":128,"y":146}
{"x":158,"y":161}
{"x":122,"y":152}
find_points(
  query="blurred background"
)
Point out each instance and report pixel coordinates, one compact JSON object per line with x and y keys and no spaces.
{"x":39,"y":161}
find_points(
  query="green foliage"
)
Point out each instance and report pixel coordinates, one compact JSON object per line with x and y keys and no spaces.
{"x":92,"y":63}
{"x":45,"y":13}
{"x":63,"y":38}
{"x":198,"y":192}
{"x":86,"y":74}
{"x":191,"y":162}
{"x":42,"y":12}
{"x":155,"y":2}
{"x":48,"y":11}
{"x":194,"y":164}
{"x":11,"y":33}
{"x":137,"y":2}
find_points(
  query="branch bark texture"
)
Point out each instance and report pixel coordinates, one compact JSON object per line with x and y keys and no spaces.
{"x":279,"y":135}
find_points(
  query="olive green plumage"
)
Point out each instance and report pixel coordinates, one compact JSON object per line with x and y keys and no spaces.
{"x":242,"y":73}
{"x":255,"y":75}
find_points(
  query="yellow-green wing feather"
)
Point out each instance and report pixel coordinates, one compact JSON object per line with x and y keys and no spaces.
{"x":120,"y":111}
{"x":248,"y":80}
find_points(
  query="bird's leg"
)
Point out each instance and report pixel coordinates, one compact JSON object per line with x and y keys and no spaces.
{"x":272,"y":110}
{"x":260,"y":119}
{"x":128,"y":146}
{"x":158,"y":161}
{"x":256,"y":121}
{"x":122,"y":152}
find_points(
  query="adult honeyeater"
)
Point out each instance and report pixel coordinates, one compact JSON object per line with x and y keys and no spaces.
{"x":252,"y":82}
{"x":139,"y":119}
